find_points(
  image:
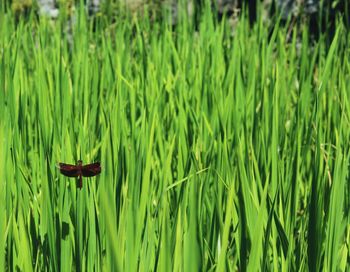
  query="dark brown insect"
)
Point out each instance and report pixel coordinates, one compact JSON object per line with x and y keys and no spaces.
{"x":79,"y":171}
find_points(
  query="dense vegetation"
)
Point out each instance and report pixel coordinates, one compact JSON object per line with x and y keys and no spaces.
{"x":220,"y":149}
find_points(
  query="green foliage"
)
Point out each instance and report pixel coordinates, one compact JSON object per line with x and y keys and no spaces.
{"x":219,"y":152}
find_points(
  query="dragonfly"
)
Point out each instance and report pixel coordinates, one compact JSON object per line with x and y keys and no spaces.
{"x":79,"y":171}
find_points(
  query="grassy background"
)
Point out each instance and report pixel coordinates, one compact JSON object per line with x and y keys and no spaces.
{"x":218,"y":152}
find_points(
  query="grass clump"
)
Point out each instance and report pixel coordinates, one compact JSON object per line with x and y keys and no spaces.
{"x":218,"y":152}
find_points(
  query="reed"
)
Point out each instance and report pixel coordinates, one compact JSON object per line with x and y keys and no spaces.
{"x":218,"y":151}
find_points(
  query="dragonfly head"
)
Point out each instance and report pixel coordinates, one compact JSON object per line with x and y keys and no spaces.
{"x":80,"y":162}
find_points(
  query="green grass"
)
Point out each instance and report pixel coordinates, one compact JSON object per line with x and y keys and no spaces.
{"x":218,"y":152}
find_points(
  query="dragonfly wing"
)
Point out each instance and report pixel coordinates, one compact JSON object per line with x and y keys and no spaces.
{"x":69,"y":170}
{"x":91,"y":170}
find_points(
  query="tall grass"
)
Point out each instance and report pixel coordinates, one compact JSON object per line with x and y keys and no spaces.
{"x":218,"y":151}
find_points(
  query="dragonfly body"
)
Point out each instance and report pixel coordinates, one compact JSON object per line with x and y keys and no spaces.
{"x":79,"y":171}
